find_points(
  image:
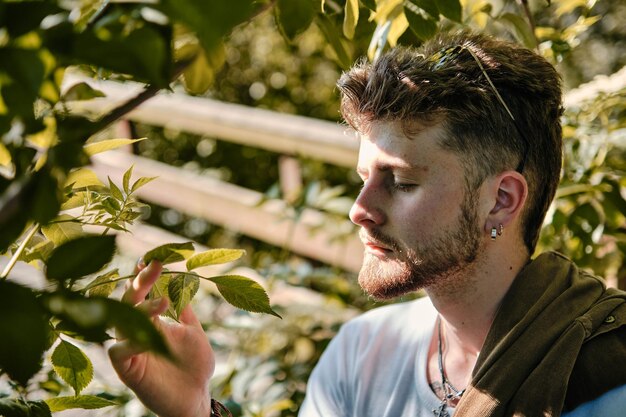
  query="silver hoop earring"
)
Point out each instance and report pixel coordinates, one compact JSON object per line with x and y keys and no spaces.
{"x":494,"y":233}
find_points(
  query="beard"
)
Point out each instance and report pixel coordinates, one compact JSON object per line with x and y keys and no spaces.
{"x":423,"y":265}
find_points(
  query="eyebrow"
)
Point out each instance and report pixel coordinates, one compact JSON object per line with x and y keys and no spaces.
{"x":389,"y":167}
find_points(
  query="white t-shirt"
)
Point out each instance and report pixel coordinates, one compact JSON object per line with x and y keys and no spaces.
{"x":376,"y":367}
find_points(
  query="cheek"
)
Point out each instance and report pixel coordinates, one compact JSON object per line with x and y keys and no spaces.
{"x":424,"y":213}
{"x":414,"y":216}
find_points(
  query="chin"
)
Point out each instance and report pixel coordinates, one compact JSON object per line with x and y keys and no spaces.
{"x":385,"y":279}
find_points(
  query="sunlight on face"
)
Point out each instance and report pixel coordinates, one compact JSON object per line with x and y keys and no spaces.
{"x":430,"y":261}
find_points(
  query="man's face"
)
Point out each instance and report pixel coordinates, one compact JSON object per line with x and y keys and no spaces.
{"x":419,"y":224}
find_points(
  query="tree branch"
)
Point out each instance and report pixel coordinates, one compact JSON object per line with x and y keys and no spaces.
{"x":531,"y":22}
{"x":148,"y":93}
{"x":18,"y":252}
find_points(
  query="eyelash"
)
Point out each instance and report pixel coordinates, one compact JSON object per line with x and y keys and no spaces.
{"x":405,"y":188}
{"x":396,"y":186}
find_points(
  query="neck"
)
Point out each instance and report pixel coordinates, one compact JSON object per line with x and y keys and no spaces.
{"x":468,"y":302}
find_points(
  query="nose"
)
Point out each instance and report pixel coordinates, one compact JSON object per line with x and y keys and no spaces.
{"x":365,"y":211}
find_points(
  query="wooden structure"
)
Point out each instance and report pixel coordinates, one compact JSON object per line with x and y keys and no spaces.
{"x":219,"y":202}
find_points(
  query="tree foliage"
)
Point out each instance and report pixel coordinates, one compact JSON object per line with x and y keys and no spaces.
{"x":54,"y":212}
{"x":51,"y":203}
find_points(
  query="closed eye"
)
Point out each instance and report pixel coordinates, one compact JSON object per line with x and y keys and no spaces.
{"x":404,"y":187}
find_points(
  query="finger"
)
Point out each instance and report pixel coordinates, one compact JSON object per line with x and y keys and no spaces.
{"x":140,"y":265}
{"x":154,"y":307}
{"x":121,"y":354}
{"x":187,"y":316}
{"x":141,"y":285}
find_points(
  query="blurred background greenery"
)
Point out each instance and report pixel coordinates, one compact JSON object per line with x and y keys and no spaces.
{"x":272,"y":361}
{"x":270,"y":62}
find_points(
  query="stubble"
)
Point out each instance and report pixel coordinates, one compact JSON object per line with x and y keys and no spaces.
{"x":428,"y":263}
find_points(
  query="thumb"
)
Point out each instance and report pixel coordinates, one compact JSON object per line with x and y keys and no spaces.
{"x":121,"y":355}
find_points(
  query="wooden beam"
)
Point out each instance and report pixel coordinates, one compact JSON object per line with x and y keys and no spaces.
{"x":264,"y":129}
{"x":235,"y":208}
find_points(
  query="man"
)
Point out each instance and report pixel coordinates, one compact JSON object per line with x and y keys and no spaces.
{"x":460,"y":158}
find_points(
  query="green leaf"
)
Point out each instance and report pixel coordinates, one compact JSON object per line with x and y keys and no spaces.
{"x":141,"y":182}
{"x":79,"y":257}
{"x":52,"y":336}
{"x":126,"y":179}
{"x":521,"y":29}
{"x":5,"y":156}
{"x":160,"y":289}
{"x":200,"y":74}
{"x":421,"y":23}
{"x":182,"y":288}
{"x":77,"y":199}
{"x":107,"y":145}
{"x":14,"y":211}
{"x":83,"y":177}
{"x":214,"y":257}
{"x":96,"y":334}
{"x":81,"y":91}
{"x":72,"y":365}
{"x":170,"y":253}
{"x":86,"y":402}
{"x":72,"y":131}
{"x":24,"y":332}
{"x":40,"y":251}
{"x":141,"y":50}
{"x":210,"y":20}
{"x":45,"y":201}
{"x":26,"y":69}
{"x":111,"y":205}
{"x":25,"y":16}
{"x":351,"y":18}
{"x":63,"y":229}
{"x":451,"y":9}
{"x":243,"y":293}
{"x":333,"y":37}
{"x":115,"y":191}
{"x":104,"y":284}
{"x":88,"y":8}
{"x":567,"y":6}
{"x":95,"y":314}
{"x":294,"y":16}
{"x":21,"y":408}
{"x":135,"y":326}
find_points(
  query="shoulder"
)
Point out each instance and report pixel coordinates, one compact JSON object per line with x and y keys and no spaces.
{"x":600,"y":368}
{"x":609,"y":404}
{"x":390,"y":328}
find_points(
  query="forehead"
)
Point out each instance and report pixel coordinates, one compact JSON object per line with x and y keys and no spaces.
{"x":387,"y":143}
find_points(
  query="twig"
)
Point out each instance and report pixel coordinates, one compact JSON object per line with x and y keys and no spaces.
{"x":531,"y":22}
{"x":18,"y":252}
{"x":262,"y":9}
{"x":148,"y":93}
{"x":98,"y":284}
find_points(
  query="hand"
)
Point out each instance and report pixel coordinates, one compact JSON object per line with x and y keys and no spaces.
{"x":169,"y":388}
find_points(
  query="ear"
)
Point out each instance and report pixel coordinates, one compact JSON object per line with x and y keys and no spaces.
{"x":510,"y":191}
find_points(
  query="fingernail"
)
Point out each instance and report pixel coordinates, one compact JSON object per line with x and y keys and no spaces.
{"x":140,"y":263}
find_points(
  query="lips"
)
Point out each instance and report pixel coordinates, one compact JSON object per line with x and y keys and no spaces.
{"x":374,"y":246}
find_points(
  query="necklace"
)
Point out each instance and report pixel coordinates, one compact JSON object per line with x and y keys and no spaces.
{"x":449,"y":392}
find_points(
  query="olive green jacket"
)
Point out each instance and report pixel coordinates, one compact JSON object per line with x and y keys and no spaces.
{"x":558,"y":340}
